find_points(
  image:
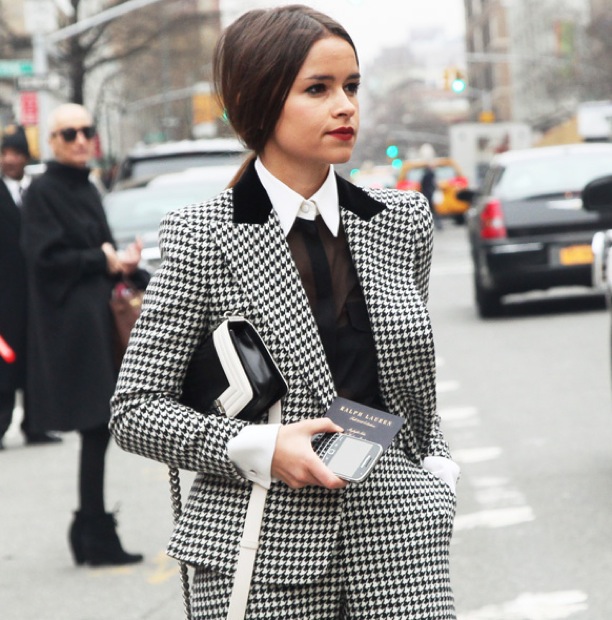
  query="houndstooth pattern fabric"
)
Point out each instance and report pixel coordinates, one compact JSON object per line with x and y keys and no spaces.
{"x":215,"y":266}
{"x":380,"y":568}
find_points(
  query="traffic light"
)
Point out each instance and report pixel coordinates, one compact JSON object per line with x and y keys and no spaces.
{"x":393,"y":154}
{"x":447,"y":77}
{"x":459,"y":84}
{"x":454,"y":79}
{"x":392,"y":151}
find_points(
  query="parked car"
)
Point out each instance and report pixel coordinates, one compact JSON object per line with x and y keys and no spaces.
{"x":527,"y":227}
{"x":597,"y":196}
{"x":375,"y":177}
{"x":138,"y":211}
{"x":147,"y":161}
{"x":449,"y":180}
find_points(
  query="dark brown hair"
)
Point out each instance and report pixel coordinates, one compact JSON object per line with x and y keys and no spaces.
{"x":256,"y":61}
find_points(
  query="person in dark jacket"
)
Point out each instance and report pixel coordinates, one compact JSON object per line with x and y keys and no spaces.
{"x":14,"y":155}
{"x":428,"y":188}
{"x":72,"y":265}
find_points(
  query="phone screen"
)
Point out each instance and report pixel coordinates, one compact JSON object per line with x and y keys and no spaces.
{"x":347,"y":459}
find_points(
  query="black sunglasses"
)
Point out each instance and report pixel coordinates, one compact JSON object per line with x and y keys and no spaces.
{"x":70,"y":133}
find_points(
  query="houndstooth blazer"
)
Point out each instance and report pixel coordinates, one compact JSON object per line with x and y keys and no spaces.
{"x":229,"y":256}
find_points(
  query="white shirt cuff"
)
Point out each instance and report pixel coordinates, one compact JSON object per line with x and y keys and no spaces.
{"x":443,"y":468}
{"x":251,"y":451}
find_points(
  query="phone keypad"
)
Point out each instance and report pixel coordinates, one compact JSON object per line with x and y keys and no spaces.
{"x":324,"y":443}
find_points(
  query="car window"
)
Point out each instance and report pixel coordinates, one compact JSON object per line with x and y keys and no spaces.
{"x":444,"y":173}
{"x":143,"y":168}
{"x":139,"y":211}
{"x":550,"y":176}
{"x":491,"y":178}
{"x":414,"y":174}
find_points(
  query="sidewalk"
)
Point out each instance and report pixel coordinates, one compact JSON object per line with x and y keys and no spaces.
{"x":38,"y":578}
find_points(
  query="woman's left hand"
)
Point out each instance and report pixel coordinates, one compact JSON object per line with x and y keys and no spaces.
{"x":130,"y":257}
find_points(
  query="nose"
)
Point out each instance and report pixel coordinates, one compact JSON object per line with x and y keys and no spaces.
{"x":80,"y":138}
{"x":345,"y":105}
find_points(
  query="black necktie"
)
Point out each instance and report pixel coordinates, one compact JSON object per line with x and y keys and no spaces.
{"x":324,"y":310}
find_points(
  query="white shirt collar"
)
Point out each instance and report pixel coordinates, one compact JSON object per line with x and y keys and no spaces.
{"x":16,"y":187}
{"x":287,"y":203}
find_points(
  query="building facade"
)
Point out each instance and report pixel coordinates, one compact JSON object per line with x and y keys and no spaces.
{"x":531,"y":59}
{"x":487,"y":45}
{"x":549,"y":43}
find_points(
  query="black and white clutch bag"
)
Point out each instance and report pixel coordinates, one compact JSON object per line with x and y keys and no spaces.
{"x":233,"y":370}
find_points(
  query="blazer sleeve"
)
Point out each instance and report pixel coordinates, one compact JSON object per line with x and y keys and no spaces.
{"x":435,"y":443}
{"x":423,"y":246}
{"x":147,"y":418}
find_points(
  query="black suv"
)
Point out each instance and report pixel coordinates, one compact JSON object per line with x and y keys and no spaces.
{"x":527,"y":226}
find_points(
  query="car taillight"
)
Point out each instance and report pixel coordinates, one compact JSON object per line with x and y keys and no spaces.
{"x":459,"y":182}
{"x":406,"y":185}
{"x":492,"y":225}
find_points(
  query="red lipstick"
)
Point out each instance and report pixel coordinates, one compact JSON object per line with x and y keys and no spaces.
{"x":343,"y":133}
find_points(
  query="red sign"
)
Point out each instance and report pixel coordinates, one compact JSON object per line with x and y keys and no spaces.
{"x":28,"y":103}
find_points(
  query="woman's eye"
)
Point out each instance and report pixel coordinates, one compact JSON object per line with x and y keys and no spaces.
{"x":316,"y":89}
{"x":353,"y":88}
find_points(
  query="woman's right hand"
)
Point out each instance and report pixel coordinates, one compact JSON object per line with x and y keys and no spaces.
{"x":113,"y":263}
{"x":296,"y":463}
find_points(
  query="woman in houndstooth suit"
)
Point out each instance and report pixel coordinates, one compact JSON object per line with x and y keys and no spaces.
{"x":288,"y":78}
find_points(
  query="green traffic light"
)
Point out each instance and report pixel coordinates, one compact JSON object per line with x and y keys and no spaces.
{"x":392,"y":151}
{"x":458,"y":85}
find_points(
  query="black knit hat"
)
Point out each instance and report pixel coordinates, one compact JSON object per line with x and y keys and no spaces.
{"x":14,"y":137}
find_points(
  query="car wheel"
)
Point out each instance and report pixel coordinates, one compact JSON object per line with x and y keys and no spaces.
{"x":488,"y":302}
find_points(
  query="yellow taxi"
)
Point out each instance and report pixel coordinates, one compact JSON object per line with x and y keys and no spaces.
{"x":449,"y":180}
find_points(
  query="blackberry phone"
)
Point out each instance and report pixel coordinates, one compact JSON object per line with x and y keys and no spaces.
{"x":350,"y":458}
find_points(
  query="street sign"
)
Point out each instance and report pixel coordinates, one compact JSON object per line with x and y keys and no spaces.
{"x":15,"y":68}
{"x":28,"y":108}
{"x":51,"y":81}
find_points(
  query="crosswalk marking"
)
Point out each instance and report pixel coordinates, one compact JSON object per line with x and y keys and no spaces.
{"x":533,"y":606}
{"x":452,"y":270}
{"x":459,"y":415}
{"x":477,"y":455}
{"x":447,"y":386}
{"x":492,"y":519}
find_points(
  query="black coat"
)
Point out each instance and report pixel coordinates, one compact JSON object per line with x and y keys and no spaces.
{"x":12,"y":291}
{"x":70,"y":369}
{"x":428,"y":185}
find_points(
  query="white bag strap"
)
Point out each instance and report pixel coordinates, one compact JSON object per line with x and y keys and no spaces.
{"x":250,"y":540}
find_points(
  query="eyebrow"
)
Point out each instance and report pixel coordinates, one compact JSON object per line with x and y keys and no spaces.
{"x":327,"y":78}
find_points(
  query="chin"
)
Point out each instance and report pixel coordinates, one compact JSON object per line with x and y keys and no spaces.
{"x":342,"y":159}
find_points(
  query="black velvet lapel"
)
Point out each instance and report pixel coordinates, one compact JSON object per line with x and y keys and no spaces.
{"x":356,"y":200}
{"x":252,"y":204}
{"x":251,"y":201}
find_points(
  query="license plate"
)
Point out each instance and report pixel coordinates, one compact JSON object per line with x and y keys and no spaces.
{"x":576,"y":255}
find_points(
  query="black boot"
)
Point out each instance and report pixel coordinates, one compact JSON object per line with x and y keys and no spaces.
{"x":75,"y":538}
{"x":94,"y":541}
